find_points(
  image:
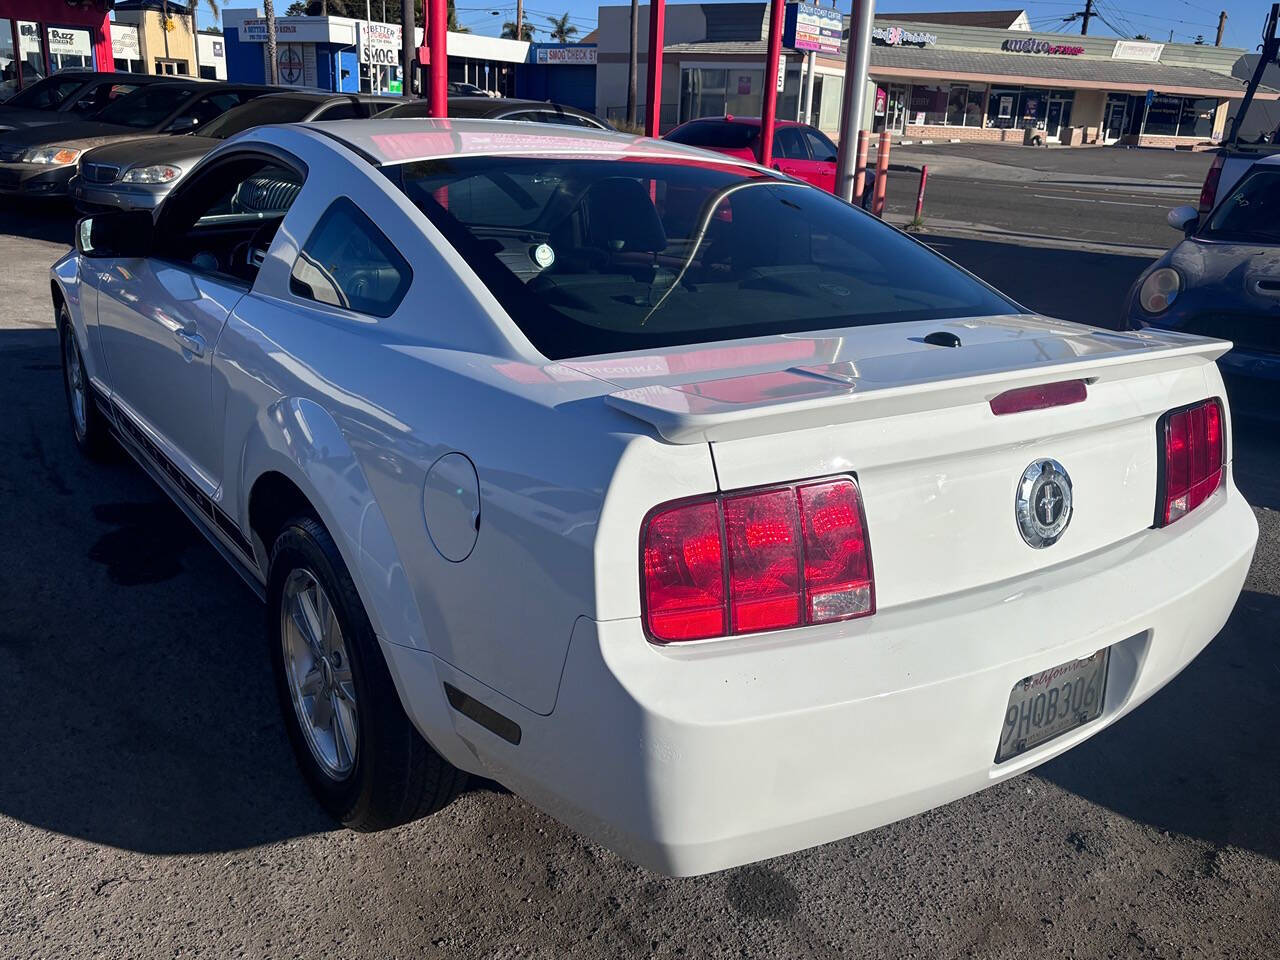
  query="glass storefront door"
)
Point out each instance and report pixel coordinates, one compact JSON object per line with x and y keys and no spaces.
{"x":1057,"y":115}
{"x":1113,"y":120}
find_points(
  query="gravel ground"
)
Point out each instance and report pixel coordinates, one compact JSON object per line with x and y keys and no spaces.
{"x":149,"y":806}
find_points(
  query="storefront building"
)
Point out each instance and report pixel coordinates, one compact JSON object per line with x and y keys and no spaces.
{"x":40,"y":37}
{"x":949,"y":80}
{"x":358,"y":56}
{"x":164,"y":46}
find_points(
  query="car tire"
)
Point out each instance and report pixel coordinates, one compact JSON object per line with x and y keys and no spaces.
{"x":367,"y":765}
{"x":89,"y":426}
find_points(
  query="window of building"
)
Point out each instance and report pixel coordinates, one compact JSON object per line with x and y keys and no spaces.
{"x":928,"y":105}
{"x":956,"y":103}
{"x":1002,"y":107}
{"x":70,"y":48}
{"x":348,"y":262}
{"x":172,"y":68}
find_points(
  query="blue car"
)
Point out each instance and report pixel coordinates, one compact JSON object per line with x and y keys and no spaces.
{"x":1223,"y":281}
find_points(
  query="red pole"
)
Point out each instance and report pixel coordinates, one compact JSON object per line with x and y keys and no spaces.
{"x":860,"y":168}
{"x":437,"y":26}
{"x":653,"y":85}
{"x":882,"y":174}
{"x":769,"y":108}
{"x":924,"y":178}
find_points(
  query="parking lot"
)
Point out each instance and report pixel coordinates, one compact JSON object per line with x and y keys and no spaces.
{"x":150,"y":807}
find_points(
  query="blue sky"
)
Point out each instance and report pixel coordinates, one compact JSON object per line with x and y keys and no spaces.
{"x":1186,"y":18}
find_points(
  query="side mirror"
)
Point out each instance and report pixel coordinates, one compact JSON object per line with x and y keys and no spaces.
{"x":184,"y":124}
{"x":124,"y":233}
{"x":1185,"y":219}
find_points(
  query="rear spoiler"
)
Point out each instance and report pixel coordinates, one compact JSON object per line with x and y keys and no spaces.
{"x":804,"y":397}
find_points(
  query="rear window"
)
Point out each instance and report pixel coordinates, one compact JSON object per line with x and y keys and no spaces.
{"x":734,"y":136}
{"x":602,"y":255}
{"x":1251,"y":214}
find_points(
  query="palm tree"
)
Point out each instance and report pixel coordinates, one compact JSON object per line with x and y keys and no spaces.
{"x":509,"y":31}
{"x":195,"y":33}
{"x":273,"y":71}
{"x":561,"y":28}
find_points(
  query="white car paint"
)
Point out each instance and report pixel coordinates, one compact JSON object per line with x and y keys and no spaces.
{"x":686,"y":758}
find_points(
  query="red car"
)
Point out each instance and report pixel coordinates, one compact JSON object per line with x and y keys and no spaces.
{"x":799,"y":150}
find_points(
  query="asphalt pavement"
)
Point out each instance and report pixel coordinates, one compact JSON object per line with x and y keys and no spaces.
{"x":149,"y":805}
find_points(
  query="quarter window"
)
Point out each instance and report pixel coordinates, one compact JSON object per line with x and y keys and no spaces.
{"x":348,"y":262}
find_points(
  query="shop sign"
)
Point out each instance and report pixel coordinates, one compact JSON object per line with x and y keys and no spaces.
{"x":289,"y":59}
{"x":1137,"y":50}
{"x":575,"y":53}
{"x":379,"y":43}
{"x":1006,"y":107}
{"x":898,"y":37}
{"x":69,"y":43}
{"x":255,"y":31}
{"x":811,"y":27}
{"x":124,"y":42}
{"x":882,"y":99}
{"x":1041,"y":46}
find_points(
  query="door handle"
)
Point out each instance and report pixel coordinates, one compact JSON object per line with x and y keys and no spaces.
{"x":193,"y":343}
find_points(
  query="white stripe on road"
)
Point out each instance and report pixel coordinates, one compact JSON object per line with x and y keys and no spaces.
{"x":1117,"y":203}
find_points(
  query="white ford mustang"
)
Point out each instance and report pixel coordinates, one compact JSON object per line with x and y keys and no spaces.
{"x":707,"y":512}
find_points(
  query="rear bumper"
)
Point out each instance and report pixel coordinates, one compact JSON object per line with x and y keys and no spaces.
{"x":696,"y":759}
{"x":34,"y":179}
{"x":99,"y":198}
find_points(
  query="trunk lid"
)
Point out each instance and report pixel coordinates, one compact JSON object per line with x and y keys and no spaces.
{"x":939,"y":471}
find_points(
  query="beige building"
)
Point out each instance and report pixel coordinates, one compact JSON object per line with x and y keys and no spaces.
{"x":164,"y":46}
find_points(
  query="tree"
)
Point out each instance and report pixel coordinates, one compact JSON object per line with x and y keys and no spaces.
{"x":561,"y":28}
{"x":273,"y":64}
{"x":297,"y":9}
{"x":509,"y":31}
{"x":633,"y":68}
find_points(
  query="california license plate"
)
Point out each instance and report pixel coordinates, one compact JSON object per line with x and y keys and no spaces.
{"x":1051,"y":703}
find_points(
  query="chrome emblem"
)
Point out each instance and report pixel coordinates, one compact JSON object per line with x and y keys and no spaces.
{"x":1043,"y":504}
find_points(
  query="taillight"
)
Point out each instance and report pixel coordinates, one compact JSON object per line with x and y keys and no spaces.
{"x":1209,"y":192}
{"x":1194,"y":455}
{"x":754,"y":560}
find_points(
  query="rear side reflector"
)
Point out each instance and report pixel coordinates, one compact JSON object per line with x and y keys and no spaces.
{"x":1209,"y":191}
{"x":1039,"y":397}
{"x":755,"y":560}
{"x":1193,"y":456}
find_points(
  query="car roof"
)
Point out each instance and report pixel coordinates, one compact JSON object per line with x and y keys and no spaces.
{"x":323,"y":96}
{"x":745,"y":121}
{"x":479,"y":107}
{"x":402,"y":139}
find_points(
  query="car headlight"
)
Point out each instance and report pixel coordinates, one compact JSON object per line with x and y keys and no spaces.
{"x":1160,"y":290}
{"x":54,"y":156}
{"x":156,"y":173}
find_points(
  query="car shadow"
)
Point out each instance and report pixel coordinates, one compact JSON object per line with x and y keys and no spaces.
{"x":50,"y":220}
{"x":1049,"y":279}
{"x":1199,"y":758}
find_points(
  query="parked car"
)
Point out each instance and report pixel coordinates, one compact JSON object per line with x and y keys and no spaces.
{"x":66,"y":96}
{"x":1223,"y":281}
{"x":39,"y":162}
{"x":459,"y":89}
{"x":799,"y":150}
{"x":138,"y":174}
{"x":708,"y":512}
{"x":489,"y":108}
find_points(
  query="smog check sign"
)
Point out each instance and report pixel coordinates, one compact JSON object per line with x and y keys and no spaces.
{"x":379,"y":43}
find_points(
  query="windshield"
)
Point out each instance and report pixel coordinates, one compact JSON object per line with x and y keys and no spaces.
{"x":145,"y":107}
{"x":1252,"y":213}
{"x":256,"y":113}
{"x":46,"y":94}
{"x":609,"y":254}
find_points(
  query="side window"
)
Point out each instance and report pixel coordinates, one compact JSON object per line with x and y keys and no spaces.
{"x":824,"y":151}
{"x":224,"y":221}
{"x":789,"y":144}
{"x":342,"y":111}
{"x":100,"y":95}
{"x":211,"y":107}
{"x":348,"y":262}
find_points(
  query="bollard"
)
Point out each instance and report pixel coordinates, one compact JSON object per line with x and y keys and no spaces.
{"x":860,"y":168}
{"x":924,"y":178}
{"x":882,"y":175}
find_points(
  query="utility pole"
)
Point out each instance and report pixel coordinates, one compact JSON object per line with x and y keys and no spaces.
{"x":519,"y":19}
{"x":408,"y":52}
{"x":857,"y":59}
{"x":1084,"y":21}
{"x":1222,"y":25}
{"x":633,"y":69}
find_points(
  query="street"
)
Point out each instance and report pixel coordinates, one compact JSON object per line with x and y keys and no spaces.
{"x":150,"y":805}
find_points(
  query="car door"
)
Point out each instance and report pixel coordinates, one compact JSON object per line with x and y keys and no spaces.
{"x":200,"y":110}
{"x":823,"y":160}
{"x":791,"y":154}
{"x":159,"y":318}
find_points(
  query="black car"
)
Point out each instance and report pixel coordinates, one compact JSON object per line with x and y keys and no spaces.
{"x":138,"y":174}
{"x":68,"y":95}
{"x":39,"y":162}
{"x":489,"y":108}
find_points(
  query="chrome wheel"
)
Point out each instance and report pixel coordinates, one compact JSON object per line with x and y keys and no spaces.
{"x":318,"y":670}
{"x":77,"y":395}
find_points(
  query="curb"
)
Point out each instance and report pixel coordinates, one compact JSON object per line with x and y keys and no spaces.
{"x":979,"y":231}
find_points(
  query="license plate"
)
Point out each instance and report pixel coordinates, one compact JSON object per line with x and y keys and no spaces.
{"x":1051,"y":703}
